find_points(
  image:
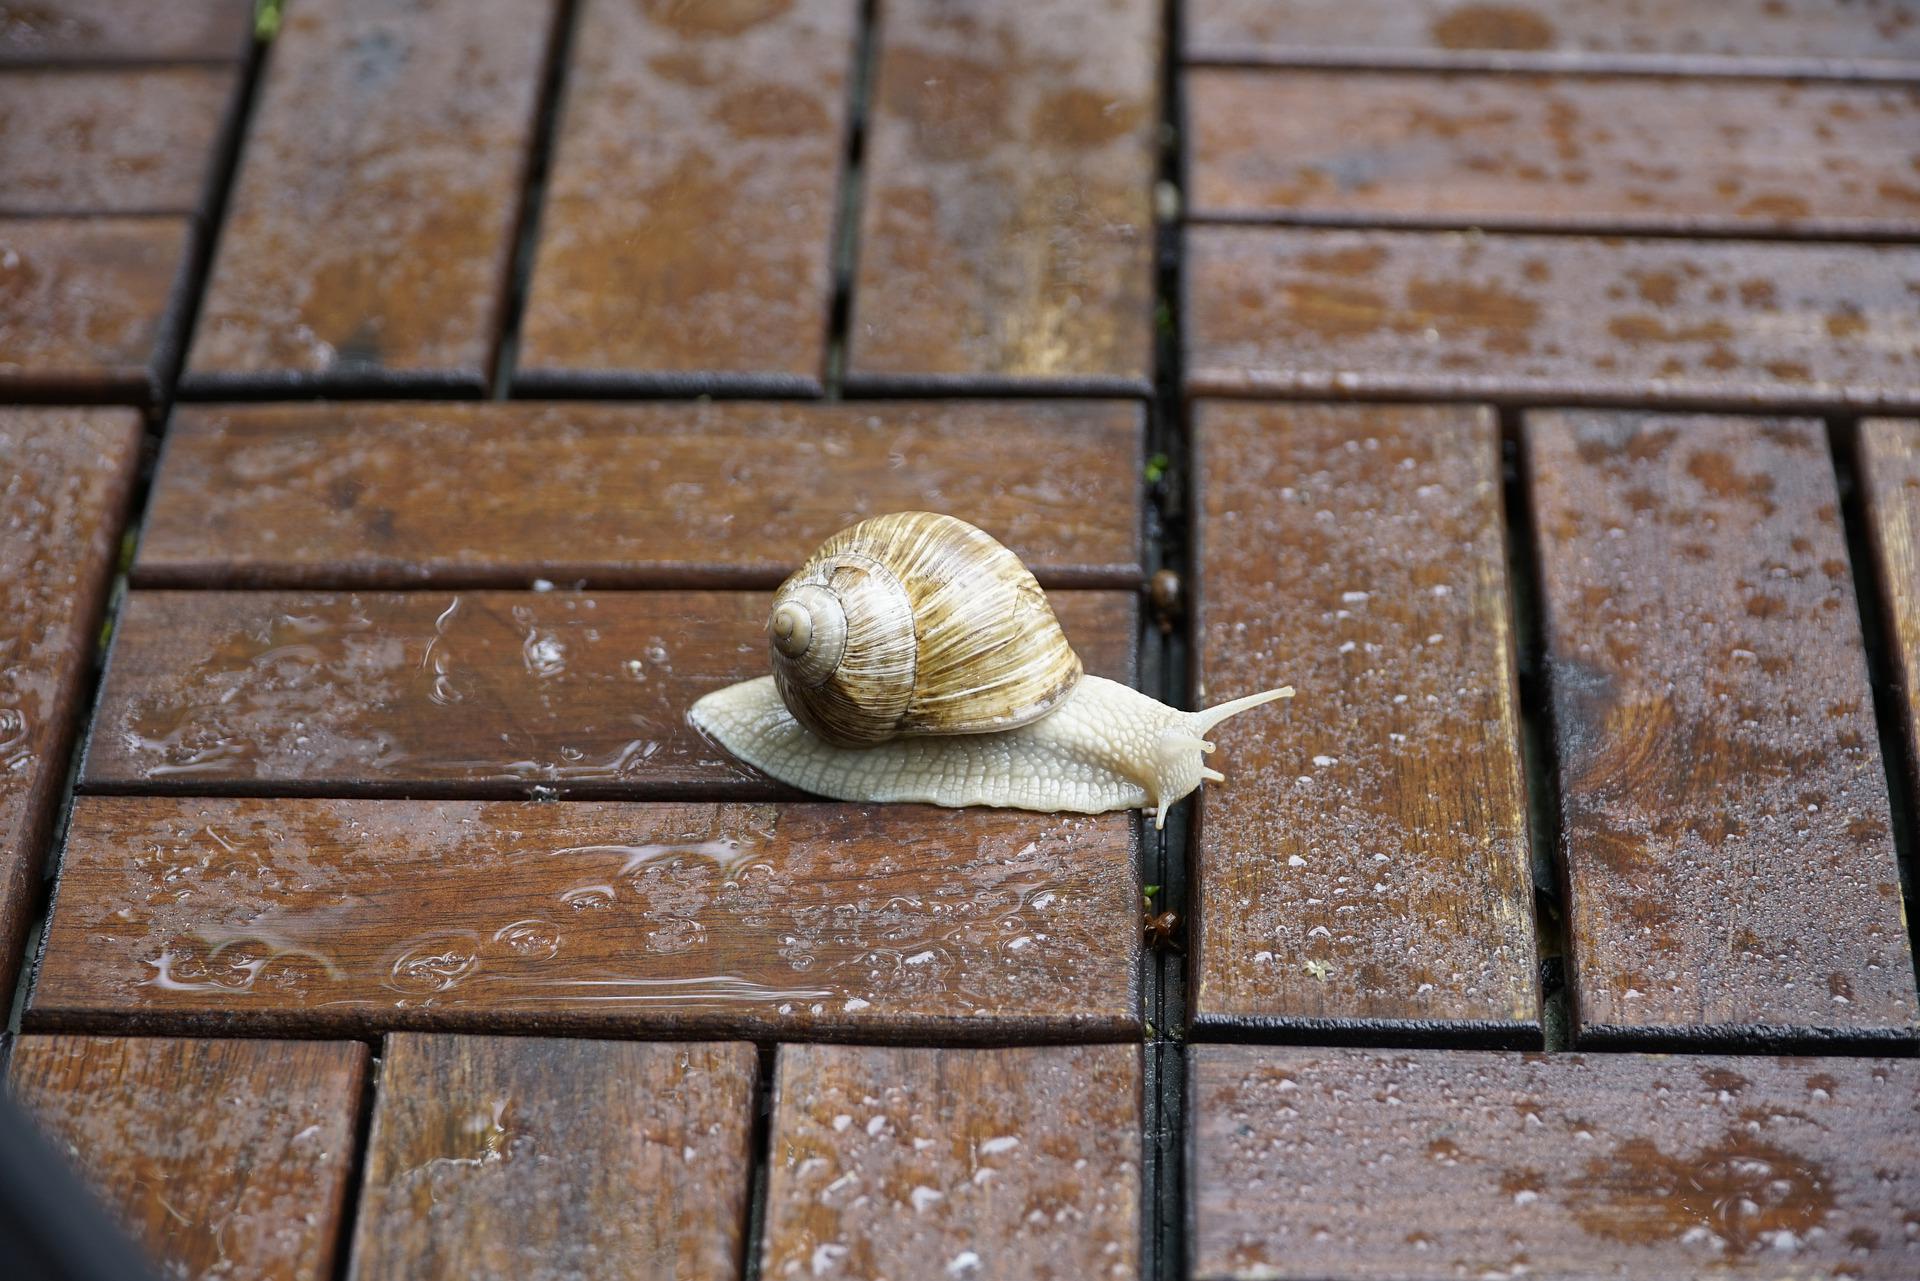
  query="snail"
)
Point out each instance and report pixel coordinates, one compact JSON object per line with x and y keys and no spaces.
{"x":916,"y":659}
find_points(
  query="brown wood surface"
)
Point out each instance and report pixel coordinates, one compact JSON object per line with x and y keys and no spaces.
{"x":1339,"y":1165}
{"x":221,"y":1158}
{"x":64,"y":479}
{"x":439,"y":693}
{"x":873,"y":923}
{"x":110,"y":142}
{"x":1724,"y":812}
{"x":1558,"y":152}
{"x":1889,"y":460}
{"x":35,"y":32}
{"x":1364,"y":870}
{"x":686,"y":236}
{"x":522,"y":1157}
{"x":1856,"y":38}
{"x":694,"y":495}
{"x":1006,"y":232}
{"x":370,"y":230}
{"x":1274,"y":310}
{"x":1014,"y":1163}
{"x":87,"y":306}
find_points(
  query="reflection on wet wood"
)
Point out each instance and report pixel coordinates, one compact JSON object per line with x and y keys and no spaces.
{"x":370,"y":230}
{"x":1338,"y":1165}
{"x":1274,"y":310}
{"x":765,"y":921}
{"x":222,"y":1158}
{"x":470,"y":694}
{"x":1569,"y":152}
{"x":1366,"y":863}
{"x":708,"y":495}
{"x":36,"y":32}
{"x":1006,"y":234}
{"x":64,"y":479}
{"x":520,"y":1157}
{"x":1724,"y":812}
{"x":686,"y":237}
{"x":1889,"y":459}
{"x":955,"y":1163}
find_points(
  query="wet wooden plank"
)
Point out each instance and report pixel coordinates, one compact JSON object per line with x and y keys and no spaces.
{"x":88,"y":306}
{"x":1561,"y":152}
{"x":955,"y":1163}
{"x":1006,"y":234}
{"x":222,"y":1158}
{"x":370,"y":231}
{"x":686,"y":237}
{"x":1724,"y":811}
{"x":465,"y":694}
{"x":764,"y":921}
{"x":1337,"y":1165}
{"x":521,"y":1157}
{"x":42,"y":32}
{"x":1365,"y":872}
{"x":1281,"y":311}
{"x":1848,"y":38}
{"x":110,"y":142}
{"x":1888,"y":455}
{"x":64,"y":480}
{"x":700,"y":495}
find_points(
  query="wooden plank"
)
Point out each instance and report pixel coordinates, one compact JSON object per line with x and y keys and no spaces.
{"x":1724,"y":813}
{"x":955,"y":1163}
{"x":687,"y":495}
{"x":88,"y":306}
{"x":370,"y":231}
{"x":36,"y":33}
{"x":686,"y":237}
{"x":837,"y":921}
{"x":467,"y":694}
{"x":520,"y":1157}
{"x":64,"y":480}
{"x":1337,"y":1165}
{"x":110,"y":142}
{"x":1559,"y":153}
{"x":1006,"y":235}
{"x":222,"y":1158}
{"x":1366,"y":872}
{"x":1889,"y":462}
{"x":1461,"y":315}
{"x":1855,"y":39}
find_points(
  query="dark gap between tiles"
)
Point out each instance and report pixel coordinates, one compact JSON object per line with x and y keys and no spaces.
{"x":846,"y":225}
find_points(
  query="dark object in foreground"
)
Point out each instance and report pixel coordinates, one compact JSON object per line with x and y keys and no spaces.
{"x":50,"y":1225}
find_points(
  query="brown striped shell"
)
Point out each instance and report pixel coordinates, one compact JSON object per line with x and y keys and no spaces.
{"x":916,"y":623}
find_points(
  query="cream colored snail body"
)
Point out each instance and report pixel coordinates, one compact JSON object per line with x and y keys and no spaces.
{"x":916,"y":659}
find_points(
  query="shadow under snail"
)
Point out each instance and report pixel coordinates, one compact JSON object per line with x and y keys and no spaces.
{"x":916,"y":659}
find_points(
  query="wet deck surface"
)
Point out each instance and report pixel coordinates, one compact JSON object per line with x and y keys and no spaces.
{"x":403,"y":422}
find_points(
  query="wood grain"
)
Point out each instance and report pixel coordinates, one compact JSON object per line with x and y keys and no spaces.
{"x":36,"y":32}
{"x":1889,"y":461}
{"x":1724,"y":812}
{"x":720,"y":494}
{"x":1364,"y":869}
{"x":955,"y":1163}
{"x":869,"y":923}
{"x":1337,"y":1165}
{"x":222,"y":1158}
{"x":521,"y":1157}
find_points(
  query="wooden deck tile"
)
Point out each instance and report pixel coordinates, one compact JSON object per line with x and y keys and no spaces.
{"x":88,"y":306}
{"x":370,"y":230}
{"x":1338,"y":1165}
{"x":1851,"y":38}
{"x":1889,"y":458}
{"x":1561,"y":153}
{"x":36,"y":32}
{"x":872,"y":923}
{"x":519,"y":1157}
{"x":469,"y":694}
{"x":64,"y":479}
{"x":1006,"y":238}
{"x":222,"y":1158}
{"x":686,"y":238}
{"x":955,"y":1163}
{"x":110,"y":142}
{"x":1724,"y":812}
{"x":1447,"y":314}
{"x":722,"y":494}
{"x":1365,"y":869}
